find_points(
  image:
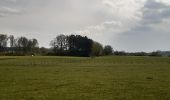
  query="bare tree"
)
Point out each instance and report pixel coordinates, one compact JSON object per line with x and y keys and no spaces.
{"x":12,"y":40}
{"x":59,"y":43}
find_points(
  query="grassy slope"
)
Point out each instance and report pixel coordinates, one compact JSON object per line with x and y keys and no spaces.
{"x":71,"y":78}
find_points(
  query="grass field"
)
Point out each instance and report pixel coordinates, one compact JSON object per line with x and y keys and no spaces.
{"x":74,"y":78}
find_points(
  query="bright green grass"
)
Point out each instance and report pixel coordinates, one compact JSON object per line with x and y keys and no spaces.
{"x":74,"y":78}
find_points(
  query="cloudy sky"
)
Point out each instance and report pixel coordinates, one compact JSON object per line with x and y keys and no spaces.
{"x":130,"y":25}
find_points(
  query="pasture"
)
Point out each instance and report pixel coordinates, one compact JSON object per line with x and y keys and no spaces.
{"x":76,"y":78}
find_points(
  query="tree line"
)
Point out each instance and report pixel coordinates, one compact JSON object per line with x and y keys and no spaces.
{"x":61,"y":45}
{"x":154,"y":53}
{"x":9,"y":45}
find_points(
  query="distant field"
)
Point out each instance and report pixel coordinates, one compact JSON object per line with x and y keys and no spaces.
{"x":74,"y":78}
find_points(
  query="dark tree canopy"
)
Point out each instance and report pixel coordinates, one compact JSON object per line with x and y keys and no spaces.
{"x":72,"y":45}
{"x":108,"y":50}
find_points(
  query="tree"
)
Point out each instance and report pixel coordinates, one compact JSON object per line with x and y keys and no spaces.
{"x":108,"y":50}
{"x":35,"y":43}
{"x":73,"y":45}
{"x":12,"y":40}
{"x":12,"y":43}
{"x":26,"y":46}
{"x":97,"y":49}
{"x":22,"y":44}
{"x":3,"y":42}
{"x":71,"y":42}
{"x":79,"y":45}
{"x":32,"y":45}
{"x":59,"y":44}
{"x":54,"y":46}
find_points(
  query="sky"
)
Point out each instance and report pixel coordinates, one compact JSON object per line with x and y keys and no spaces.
{"x":126,"y":25}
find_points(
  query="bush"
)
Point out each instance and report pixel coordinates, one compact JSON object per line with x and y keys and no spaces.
{"x":155,"y":54}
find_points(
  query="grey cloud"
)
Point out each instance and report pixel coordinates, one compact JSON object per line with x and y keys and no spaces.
{"x":166,"y":13}
{"x":143,"y":41}
{"x":4,"y":11}
{"x":147,"y":36}
{"x":143,"y":28}
{"x":9,"y":7}
{"x":15,"y":7}
{"x":152,"y":4}
{"x":154,"y":12}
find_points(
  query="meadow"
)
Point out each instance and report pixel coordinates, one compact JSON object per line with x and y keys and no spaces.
{"x":76,"y":78}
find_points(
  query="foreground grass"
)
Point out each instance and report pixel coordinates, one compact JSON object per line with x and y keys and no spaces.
{"x":74,"y":78}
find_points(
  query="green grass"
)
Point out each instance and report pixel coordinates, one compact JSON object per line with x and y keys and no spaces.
{"x":75,"y":78}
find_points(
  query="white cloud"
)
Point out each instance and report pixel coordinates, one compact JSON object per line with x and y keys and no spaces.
{"x":124,"y":16}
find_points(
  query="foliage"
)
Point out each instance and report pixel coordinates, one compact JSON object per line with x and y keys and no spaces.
{"x":108,"y":50}
{"x":120,"y":53}
{"x":138,"y":54}
{"x":72,"y":45}
{"x":156,"y":54}
{"x":18,"y":46}
{"x":3,"y":42}
{"x":97,"y":49}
